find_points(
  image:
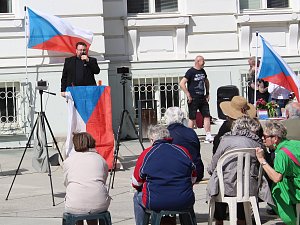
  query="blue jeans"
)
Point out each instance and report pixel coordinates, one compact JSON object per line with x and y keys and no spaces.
{"x":139,"y":208}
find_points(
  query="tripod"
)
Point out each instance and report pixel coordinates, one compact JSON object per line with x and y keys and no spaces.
{"x":124,"y":79}
{"x":41,"y":118}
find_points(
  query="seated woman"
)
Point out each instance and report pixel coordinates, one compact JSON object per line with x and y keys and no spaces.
{"x":286,"y":172}
{"x":184,"y":136}
{"x":237,"y":107}
{"x":85,"y":173}
{"x":244,"y":134}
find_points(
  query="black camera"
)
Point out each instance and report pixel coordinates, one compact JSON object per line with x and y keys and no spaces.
{"x":123,"y":70}
{"x":41,"y":85}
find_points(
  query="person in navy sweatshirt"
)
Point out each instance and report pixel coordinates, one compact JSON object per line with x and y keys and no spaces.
{"x":163,"y":176}
{"x":184,"y":136}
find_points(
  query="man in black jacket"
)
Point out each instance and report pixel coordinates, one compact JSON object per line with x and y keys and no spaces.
{"x":79,"y":70}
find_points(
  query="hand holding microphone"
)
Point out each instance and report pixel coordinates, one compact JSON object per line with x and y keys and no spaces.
{"x":84,"y":58}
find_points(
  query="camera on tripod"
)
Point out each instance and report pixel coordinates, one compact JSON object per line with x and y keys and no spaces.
{"x":41,"y":85}
{"x":125,"y":73}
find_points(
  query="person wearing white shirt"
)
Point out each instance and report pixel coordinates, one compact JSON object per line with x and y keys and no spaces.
{"x":280,"y":95}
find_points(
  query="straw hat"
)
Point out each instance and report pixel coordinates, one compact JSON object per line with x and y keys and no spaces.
{"x":237,"y":107}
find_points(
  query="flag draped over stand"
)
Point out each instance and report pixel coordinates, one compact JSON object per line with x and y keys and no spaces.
{"x":275,"y":70}
{"x":89,"y":109}
{"x":53,"y":33}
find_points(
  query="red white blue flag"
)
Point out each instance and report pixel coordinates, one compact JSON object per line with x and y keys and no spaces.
{"x":274,"y":69}
{"x":49,"y":32}
{"x":90,"y":111}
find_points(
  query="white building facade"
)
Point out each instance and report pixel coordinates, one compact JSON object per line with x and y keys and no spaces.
{"x":157,"y":39}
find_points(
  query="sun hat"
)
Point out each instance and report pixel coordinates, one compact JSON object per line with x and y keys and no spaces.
{"x":237,"y":107}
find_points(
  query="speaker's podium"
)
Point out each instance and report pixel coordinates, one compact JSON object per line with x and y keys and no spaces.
{"x":89,"y":110}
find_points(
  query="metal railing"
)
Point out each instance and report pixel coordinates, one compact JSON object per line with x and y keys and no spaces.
{"x":161,"y":89}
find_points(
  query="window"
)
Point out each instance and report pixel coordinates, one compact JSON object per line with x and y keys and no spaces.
{"x":5,"y":6}
{"x":8,"y":102}
{"x":263,"y":4}
{"x":152,"y":6}
{"x":156,"y":93}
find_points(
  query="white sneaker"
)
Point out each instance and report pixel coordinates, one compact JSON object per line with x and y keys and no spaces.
{"x":209,"y":138}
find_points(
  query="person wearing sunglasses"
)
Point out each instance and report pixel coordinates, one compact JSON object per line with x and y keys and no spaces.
{"x":285,"y":173}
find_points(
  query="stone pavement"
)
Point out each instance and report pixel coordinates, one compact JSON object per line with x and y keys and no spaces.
{"x":30,"y":200}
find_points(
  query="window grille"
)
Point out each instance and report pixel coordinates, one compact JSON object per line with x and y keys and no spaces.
{"x":164,"y":91}
{"x":14,"y":108}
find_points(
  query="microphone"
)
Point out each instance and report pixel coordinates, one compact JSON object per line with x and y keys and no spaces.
{"x":84,"y":61}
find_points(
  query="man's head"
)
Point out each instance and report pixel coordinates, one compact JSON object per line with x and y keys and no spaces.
{"x":199,"y":62}
{"x":80,"y":48}
{"x":251,"y":61}
{"x":174,"y":115}
{"x":83,"y":141}
{"x":157,"y":132}
{"x":293,"y":110}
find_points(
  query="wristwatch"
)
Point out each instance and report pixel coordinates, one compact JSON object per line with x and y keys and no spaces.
{"x":264,"y":163}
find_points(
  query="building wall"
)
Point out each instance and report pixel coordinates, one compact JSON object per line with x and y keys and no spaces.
{"x":48,"y":65}
{"x":159,"y":44}
{"x":150,"y":45}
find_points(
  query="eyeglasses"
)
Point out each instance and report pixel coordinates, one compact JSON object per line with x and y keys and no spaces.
{"x":81,"y":50}
{"x":267,"y":136}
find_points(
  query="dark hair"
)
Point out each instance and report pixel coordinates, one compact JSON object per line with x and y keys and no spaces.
{"x":83,"y":141}
{"x":80,"y":43}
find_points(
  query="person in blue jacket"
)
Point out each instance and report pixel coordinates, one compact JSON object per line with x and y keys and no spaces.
{"x":163,"y":176}
{"x":184,"y":136}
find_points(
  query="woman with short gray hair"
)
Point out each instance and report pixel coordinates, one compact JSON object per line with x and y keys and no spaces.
{"x":286,"y":170}
{"x":163,"y":176}
{"x":174,"y":115}
{"x":184,"y":136}
{"x":243,"y":134}
{"x":157,"y":132}
{"x":246,"y":123}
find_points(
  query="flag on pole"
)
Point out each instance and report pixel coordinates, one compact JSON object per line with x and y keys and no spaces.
{"x":89,"y":110}
{"x":49,"y":32}
{"x":275,"y":70}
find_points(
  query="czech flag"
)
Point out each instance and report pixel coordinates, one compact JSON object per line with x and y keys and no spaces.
{"x":275,"y":70}
{"x":49,"y":32}
{"x":89,"y":109}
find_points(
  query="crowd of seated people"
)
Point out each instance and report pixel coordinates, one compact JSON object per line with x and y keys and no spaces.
{"x":165,"y":172}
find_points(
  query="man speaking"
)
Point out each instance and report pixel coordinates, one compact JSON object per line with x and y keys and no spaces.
{"x":79,"y":70}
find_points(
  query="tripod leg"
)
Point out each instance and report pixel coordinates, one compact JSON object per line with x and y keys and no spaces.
{"x":55,"y":142}
{"x":47,"y":152}
{"x":27,"y":145}
{"x":116,"y":152}
{"x":135,"y":130}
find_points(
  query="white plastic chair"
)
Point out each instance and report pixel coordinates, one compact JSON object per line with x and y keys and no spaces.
{"x":243,"y":195}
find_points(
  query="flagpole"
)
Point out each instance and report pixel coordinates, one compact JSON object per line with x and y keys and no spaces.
{"x":26,"y":61}
{"x":255,"y":72}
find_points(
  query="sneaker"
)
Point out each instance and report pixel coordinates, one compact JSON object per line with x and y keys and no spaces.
{"x":209,"y":138}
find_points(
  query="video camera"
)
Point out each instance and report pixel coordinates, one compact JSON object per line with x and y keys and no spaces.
{"x":123,"y":70}
{"x":41,"y":85}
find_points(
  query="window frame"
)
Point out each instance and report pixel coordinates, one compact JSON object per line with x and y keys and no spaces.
{"x":264,"y":6}
{"x":151,"y":4}
{"x":10,"y":4}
